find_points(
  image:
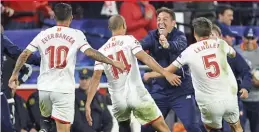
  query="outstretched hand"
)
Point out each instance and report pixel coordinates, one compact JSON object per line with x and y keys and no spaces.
{"x":173,"y":79}
{"x":119,"y":65}
{"x":13,"y":82}
{"x":88,"y":115}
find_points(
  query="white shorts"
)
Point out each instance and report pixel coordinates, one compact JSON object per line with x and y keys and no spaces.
{"x":213,"y":113}
{"x":60,"y":106}
{"x":143,"y":107}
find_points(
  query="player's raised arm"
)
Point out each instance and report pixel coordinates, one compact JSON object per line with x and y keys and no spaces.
{"x":178,"y":63}
{"x":95,"y":81}
{"x":171,"y":68}
{"x":13,"y":81}
{"x":85,"y":47}
{"x":150,"y":62}
{"x":96,"y":55}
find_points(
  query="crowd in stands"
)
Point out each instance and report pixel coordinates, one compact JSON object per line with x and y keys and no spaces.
{"x":141,"y":18}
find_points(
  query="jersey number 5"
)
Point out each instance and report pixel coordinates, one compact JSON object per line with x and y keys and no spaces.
{"x":208,"y":63}
{"x":120,"y":56}
{"x":56,"y":55}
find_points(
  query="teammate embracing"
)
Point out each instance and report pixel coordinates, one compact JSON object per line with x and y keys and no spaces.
{"x":128,"y":93}
{"x":213,"y":80}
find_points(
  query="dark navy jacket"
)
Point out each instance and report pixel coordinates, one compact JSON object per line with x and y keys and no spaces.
{"x":165,"y":57}
{"x":13,"y":51}
{"x":241,"y":71}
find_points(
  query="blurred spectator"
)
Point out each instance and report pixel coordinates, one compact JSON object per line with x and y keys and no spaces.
{"x":93,"y":9}
{"x":140,"y":18}
{"x":109,"y":8}
{"x":227,"y":34}
{"x":245,"y":17}
{"x":224,"y":21}
{"x":26,"y":14}
{"x":203,"y":6}
{"x":159,"y":4}
{"x":224,"y":15}
{"x":250,"y":51}
{"x":102,"y":119}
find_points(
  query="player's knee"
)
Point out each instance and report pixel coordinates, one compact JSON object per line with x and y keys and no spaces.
{"x":236,"y":128}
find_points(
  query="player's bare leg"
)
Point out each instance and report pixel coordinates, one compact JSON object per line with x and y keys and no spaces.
{"x":160,"y":125}
{"x":62,"y":127}
{"x":236,"y":127}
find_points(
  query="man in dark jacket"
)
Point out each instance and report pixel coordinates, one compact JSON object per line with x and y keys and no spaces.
{"x":13,"y":51}
{"x":165,"y":44}
{"x":102,"y":119}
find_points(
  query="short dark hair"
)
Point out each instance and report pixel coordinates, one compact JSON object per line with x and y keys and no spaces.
{"x":167,"y":10}
{"x":217,"y":29}
{"x":115,"y":22}
{"x":202,"y":26}
{"x":220,"y":9}
{"x":62,"y":11}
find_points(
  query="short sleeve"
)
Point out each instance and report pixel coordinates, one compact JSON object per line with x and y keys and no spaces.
{"x":34,"y":44}
{"x":135,"y":45}
{"x":181,"y":59}
{"x":98,"y":65}
{"x":82,"y":42}
{"x":226,"y":48}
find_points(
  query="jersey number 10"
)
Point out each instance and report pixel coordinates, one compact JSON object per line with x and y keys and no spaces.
{"x":56,"y":55}
{"x":120,"y":56}
{"x":208,"y":63}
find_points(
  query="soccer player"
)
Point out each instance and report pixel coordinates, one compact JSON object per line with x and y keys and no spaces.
{"x":127,"y":90}
{"x":58,"y":47}
{"x":213,"y":80}
{"x":243,"y":76}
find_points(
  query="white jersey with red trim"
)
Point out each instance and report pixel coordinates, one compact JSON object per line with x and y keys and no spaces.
{"x":211,"y":74}
{"x":122,"y":48}
{"x":58,"y":48}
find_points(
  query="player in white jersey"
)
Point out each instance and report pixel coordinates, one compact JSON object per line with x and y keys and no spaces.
{"x":127,"y":90}
{"x":58,"y":48}
{"x":214,"y":82}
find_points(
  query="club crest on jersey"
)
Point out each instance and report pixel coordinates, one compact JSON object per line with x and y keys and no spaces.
{"x":32,"y":101}
{"x":84,"y":71}
{"x":82,"y":103}
{"x":137,"y":42}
